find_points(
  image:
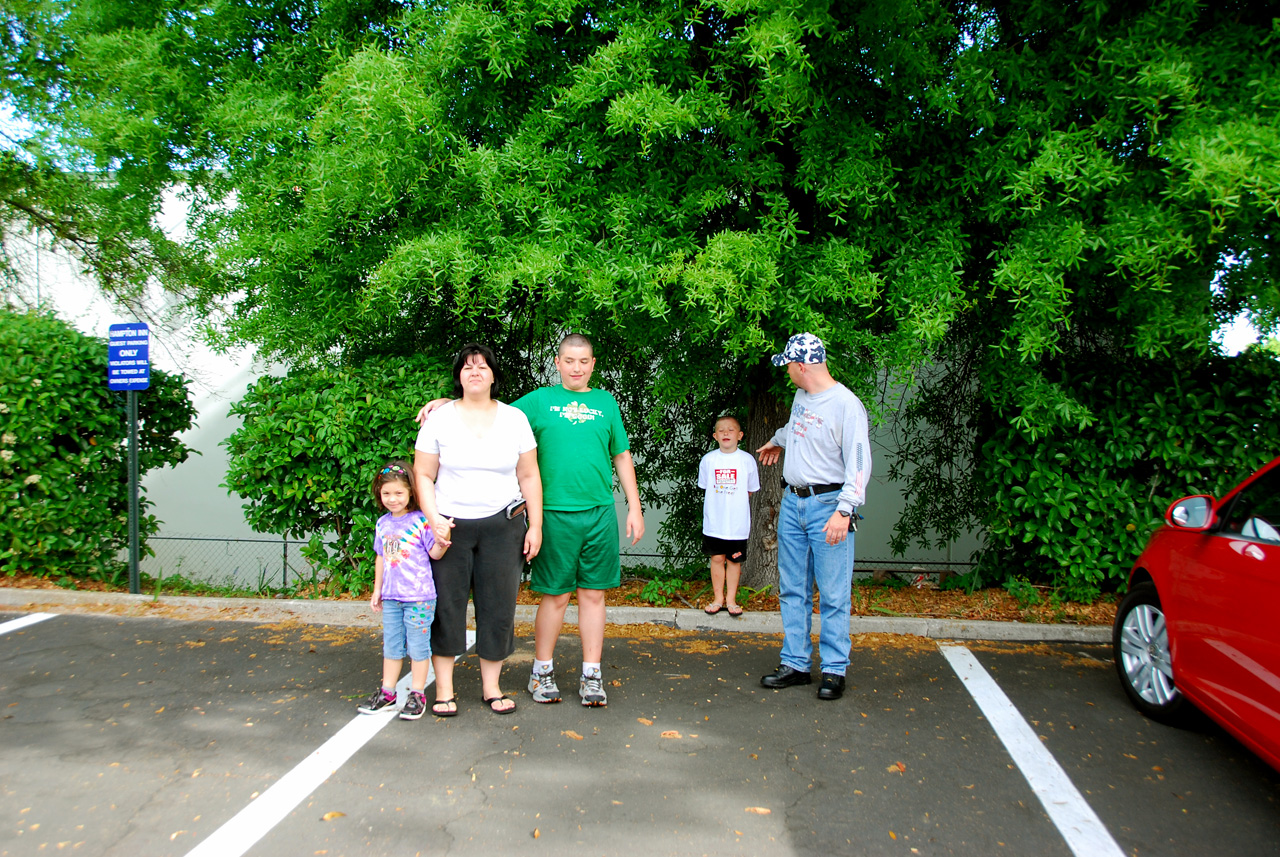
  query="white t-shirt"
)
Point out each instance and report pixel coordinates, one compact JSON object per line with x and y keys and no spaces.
{"x":727,"y":479}
{"x":477,"y":476}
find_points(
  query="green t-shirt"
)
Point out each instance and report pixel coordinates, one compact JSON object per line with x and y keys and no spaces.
{"x":578,"y":435}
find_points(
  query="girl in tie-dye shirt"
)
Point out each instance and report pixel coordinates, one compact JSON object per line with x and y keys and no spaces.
{"x":403,"y":588}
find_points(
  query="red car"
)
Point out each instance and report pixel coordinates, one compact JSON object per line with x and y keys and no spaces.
{"x":1201,"y":622}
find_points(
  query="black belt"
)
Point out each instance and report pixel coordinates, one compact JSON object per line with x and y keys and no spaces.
{"x":804,"y":491}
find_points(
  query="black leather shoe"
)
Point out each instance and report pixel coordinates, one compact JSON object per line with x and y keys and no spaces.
{"x":832,"y":686}
{"x":785,"y":676}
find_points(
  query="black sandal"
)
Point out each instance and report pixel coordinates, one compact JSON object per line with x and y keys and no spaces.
{"x":490,"y":700}
{"x":435,"y":707}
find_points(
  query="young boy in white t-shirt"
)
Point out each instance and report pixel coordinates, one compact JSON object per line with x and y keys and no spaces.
{"x":729,"y":477}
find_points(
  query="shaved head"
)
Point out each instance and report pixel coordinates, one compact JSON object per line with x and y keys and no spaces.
{"x":575,"y":340}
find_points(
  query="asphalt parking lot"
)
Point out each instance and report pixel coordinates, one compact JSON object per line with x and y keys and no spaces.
{"x":143,"y":736}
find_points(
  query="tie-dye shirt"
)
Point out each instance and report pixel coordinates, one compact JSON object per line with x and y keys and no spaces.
{"x":403,"y":543}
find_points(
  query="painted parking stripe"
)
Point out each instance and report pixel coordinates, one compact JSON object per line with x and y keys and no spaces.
{"x":270,"y":808}
{"x":30,"y":619}
{"x":1084,"y":832}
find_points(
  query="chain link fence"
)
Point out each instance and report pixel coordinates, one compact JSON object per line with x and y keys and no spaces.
{"x":251,"y":563}
{"x":913,"y":571}
{"x":277,"y":563}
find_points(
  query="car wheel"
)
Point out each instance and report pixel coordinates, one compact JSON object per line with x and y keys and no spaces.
{"x":1140,"y":641}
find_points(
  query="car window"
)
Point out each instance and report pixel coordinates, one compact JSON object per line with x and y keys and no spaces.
{"x":1255,"y":511}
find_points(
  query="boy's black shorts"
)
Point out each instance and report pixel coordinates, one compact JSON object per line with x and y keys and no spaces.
{"x":734,"y":550}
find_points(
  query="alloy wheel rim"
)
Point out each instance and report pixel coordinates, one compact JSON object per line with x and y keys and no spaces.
{"x":1144,"y":655}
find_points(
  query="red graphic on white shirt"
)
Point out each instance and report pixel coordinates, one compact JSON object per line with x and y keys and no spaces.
{"x":726,"y":480}
{"x":804,"y":420}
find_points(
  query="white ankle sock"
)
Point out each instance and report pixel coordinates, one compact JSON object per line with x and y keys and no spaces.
{"x":590,"y":668}
{"x":541,"y":666}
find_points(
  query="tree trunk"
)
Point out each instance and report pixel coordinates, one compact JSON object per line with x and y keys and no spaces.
{"x":765,"y":415}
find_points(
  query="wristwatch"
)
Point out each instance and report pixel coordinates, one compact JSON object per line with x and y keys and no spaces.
{"x":844,"y":513}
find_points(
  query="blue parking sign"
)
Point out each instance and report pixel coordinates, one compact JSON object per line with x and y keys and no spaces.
{"x":128,"y":356}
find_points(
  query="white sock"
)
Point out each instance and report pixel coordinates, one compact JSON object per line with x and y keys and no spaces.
{"x":541,"y":666}
{"x":587,"y":668}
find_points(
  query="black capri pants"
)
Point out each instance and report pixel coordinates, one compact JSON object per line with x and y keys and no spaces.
{"x":485,"y":559}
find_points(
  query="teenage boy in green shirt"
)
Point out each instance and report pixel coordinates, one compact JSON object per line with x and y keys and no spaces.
{"x":581,"y":441}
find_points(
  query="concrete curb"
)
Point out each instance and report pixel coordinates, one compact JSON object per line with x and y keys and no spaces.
{"x":357,"y":613}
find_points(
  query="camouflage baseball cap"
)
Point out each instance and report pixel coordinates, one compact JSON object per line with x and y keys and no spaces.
{"x":802,"y":348}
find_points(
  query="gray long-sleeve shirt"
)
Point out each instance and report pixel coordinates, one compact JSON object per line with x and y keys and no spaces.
{"x":826,"y":441}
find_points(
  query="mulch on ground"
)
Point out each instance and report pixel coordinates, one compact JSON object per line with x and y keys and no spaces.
{"x":868,"y":600}
{"x":879,"y":600}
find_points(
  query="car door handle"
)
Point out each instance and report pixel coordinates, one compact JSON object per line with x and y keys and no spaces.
{"x":1249,"y":549}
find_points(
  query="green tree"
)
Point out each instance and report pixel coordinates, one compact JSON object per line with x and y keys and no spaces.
{"x":1075,"y":507}
{"x":988,"y":192}
{"x":309,"y":446}
{"x":63,"y":435}
{"x":97,"y":203}
{"x":115,"y":240}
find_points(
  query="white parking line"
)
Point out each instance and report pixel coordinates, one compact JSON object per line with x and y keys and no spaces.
{"x":30,"y":619}
{"x":270,"y":808}
{"x":1084,"y":832}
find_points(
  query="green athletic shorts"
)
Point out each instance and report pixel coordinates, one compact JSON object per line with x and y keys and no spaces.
{"x":579,"y":551}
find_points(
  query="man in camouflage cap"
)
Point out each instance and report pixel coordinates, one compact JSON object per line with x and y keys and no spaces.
{"x":825,"y":475}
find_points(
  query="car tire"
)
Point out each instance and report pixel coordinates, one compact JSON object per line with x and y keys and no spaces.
{"x":1140,"y":643}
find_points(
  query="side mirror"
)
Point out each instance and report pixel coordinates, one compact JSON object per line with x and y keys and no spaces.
{"x":1191,"y":513}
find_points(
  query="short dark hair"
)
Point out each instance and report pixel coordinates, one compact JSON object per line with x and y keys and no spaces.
{"x":472,"y":349}
{"x":395,"y":471}
{"x":575,"y":340}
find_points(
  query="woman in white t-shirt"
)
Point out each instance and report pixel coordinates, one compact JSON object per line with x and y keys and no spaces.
{"x":476,"y":467}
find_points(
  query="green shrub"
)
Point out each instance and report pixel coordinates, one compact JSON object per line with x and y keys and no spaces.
{"x":1023,"y":591}
{"x":889,"y":581}
{"x":1076,"y":507}
{"x":969,"y":582}
{"x":63,"y":455}
{"x":687,"y":571}
{"x":660,"y":592}
{"x":308,"y":447}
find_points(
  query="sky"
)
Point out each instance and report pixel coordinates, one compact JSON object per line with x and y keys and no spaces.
{"x":1237,"y":336}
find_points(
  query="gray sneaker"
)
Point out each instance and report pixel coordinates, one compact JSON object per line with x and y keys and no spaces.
{"x":591,"y":689}
{"x":415,"y":706}
{"x":543,"y":687}
{"x":377,"y":701}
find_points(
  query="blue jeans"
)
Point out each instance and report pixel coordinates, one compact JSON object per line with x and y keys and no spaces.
{"x":805,"y":558}
{"x":406,"y":629}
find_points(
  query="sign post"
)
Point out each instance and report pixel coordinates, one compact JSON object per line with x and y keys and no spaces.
{"x":129,"y":369}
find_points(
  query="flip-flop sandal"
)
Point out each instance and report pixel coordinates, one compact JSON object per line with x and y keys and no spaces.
{"x":737,"y":615}
{"x":435,"y":707}
{"x":490,"y":700}
{"x":719,"y":609}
